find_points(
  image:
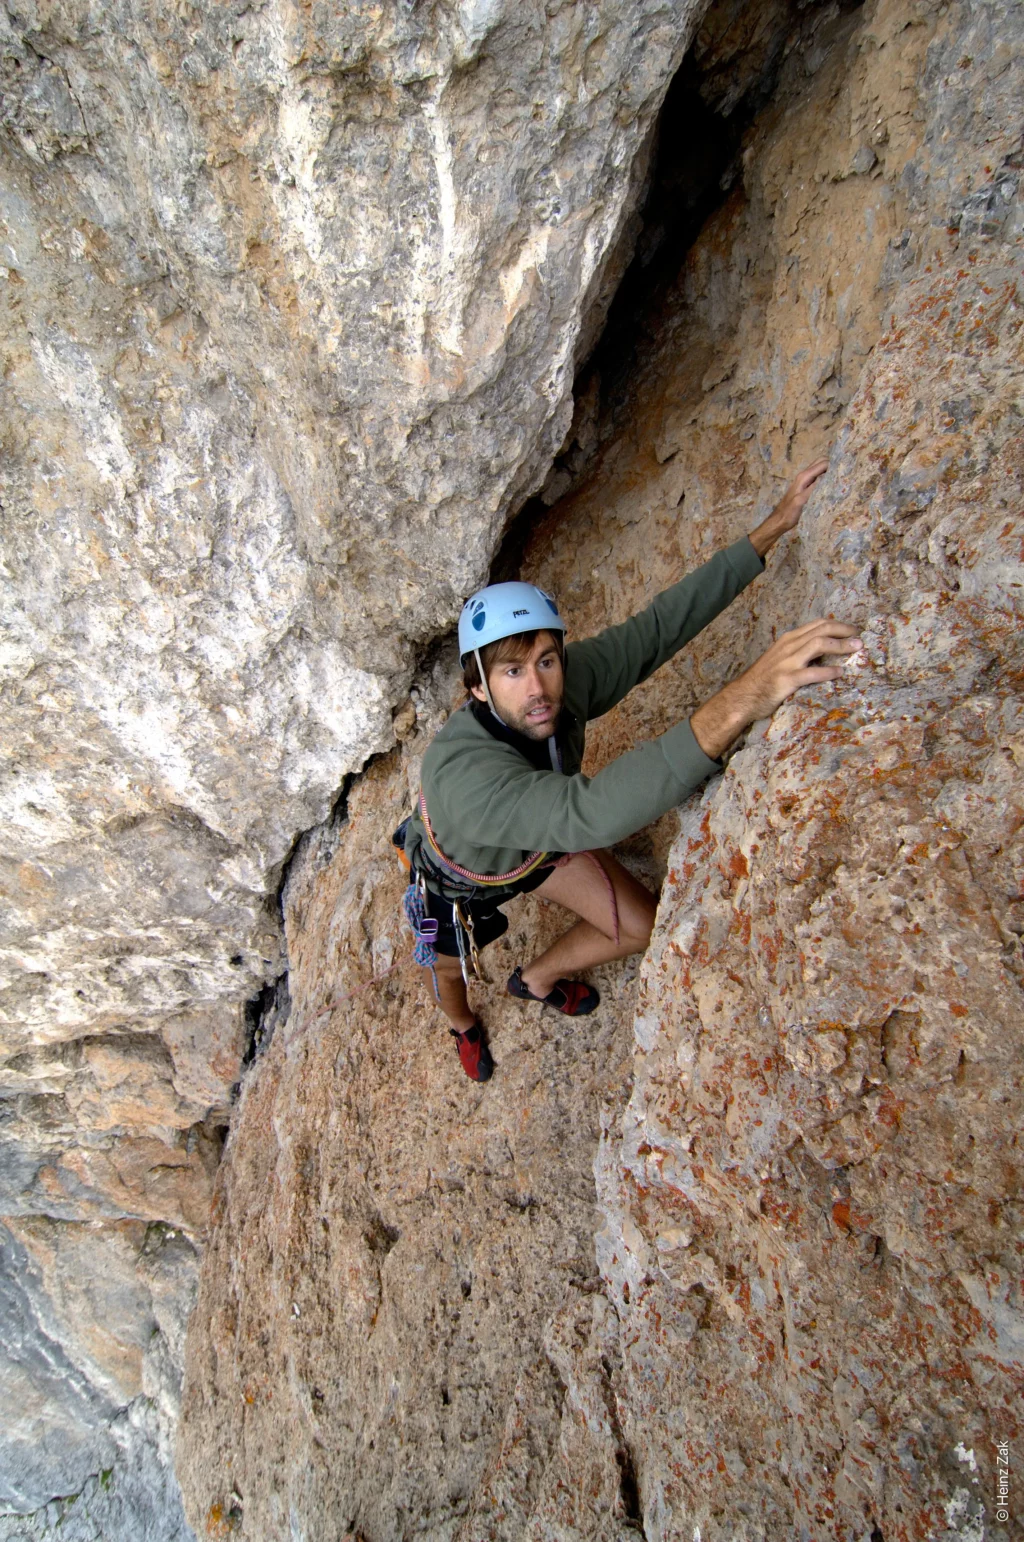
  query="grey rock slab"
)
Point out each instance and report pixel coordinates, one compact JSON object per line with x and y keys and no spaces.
{"x":92,"y":1322}
{"x":291,"y":303}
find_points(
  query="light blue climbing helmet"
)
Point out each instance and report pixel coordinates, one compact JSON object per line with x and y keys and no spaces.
{"x":504,"y":610}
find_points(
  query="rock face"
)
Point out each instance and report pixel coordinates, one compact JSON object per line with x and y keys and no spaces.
{"x":400,"y":1279}
{"x":806,"y":1319}
{"x":813,"y":1233}
{"x":292,"y":302}
{"x":92,"y":1329}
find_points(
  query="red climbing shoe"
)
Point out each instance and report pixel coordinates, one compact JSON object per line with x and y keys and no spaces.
{"x":569,"y":996}
{"x":474,"y":1054}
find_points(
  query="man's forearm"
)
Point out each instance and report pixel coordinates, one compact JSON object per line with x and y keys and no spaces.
{"x":767,"y":533}
{"x":725,"y":715}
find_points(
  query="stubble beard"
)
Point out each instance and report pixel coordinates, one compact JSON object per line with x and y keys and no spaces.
{"x":538,"y":732}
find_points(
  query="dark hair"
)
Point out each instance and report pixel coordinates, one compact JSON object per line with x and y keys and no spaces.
{"x":507,"y":650}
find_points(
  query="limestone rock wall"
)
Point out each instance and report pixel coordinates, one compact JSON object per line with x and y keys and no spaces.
{"x":812,"y":1229}
{"x":804,"y":1318}
{"x":292,"y":301}
{"x":92,"y":1331}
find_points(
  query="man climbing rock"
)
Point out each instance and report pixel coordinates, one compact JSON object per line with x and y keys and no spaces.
{"x":504,"y":807}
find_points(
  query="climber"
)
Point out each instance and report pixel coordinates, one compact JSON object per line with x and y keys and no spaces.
{"x":504,"y":808}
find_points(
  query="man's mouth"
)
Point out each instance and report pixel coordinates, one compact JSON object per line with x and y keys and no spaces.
{"x":543,"y":710}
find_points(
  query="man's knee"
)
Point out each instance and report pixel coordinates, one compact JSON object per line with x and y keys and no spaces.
{"x":636,"y":926}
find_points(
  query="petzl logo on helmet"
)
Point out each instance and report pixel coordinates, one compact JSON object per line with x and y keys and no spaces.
{"x":520,"y":613}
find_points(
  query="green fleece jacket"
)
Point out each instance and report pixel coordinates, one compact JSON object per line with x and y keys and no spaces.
{"x":490,"y":809}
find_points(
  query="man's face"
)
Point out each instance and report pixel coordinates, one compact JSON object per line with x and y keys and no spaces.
{"x":528,"y":692}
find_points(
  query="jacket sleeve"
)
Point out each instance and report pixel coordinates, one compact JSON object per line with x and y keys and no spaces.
{"x":605,"y":668}
{"x":514,"y":806}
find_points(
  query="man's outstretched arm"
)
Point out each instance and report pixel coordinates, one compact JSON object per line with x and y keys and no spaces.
{"x":788,"y":664}
{"x":605,"y":668}
{"x":513,"y":808}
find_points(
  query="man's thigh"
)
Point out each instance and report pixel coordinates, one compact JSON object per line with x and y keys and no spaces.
{"x":585,"y":887}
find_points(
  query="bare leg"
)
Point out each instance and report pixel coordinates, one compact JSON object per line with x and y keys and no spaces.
{"x":451,"y":988}
{"x":580,"y":888}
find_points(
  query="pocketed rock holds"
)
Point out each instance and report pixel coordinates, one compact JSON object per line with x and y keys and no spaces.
{"x":813,"y":1225}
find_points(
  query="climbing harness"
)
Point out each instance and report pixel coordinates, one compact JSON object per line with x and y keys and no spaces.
{"x":425,"y":928}
{"x":486,"y":880}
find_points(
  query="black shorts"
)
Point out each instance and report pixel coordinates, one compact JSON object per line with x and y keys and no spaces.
{"x":488,"y":921}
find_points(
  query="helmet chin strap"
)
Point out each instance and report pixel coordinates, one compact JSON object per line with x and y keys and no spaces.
{"x":487,"y":689}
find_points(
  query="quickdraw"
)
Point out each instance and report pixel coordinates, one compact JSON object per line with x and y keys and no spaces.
{"x":469,"y":957}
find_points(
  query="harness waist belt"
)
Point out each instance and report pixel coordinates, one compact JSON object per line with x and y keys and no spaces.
{"x":480,"y":880}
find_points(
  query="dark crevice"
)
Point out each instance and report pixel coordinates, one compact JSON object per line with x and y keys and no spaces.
{"x":269,"y":1009}
{"x":380,"y":1237}
{"x":725,"y":81}
{"x":264,"y":1014}
{"x":695,"y":168}
{"x":326,"y":834}
{"x":629,"y":1487}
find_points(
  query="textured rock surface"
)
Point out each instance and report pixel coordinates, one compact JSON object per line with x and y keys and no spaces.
{"x":92,"y":1325}
{"x":400,"y":1281}
{"x":291,"y":304}
{"x":807,"y":1319}
{"x":814,"y":1229}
